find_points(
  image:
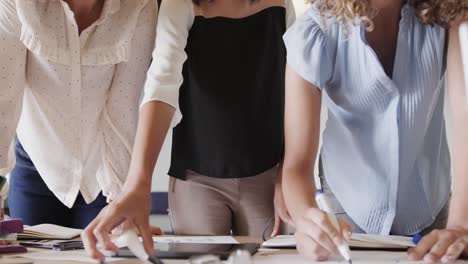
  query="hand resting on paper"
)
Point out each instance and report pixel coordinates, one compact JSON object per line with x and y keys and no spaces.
{"x":444,"y":246}
{"x":317,"y":239}
{"x":132,"y":210}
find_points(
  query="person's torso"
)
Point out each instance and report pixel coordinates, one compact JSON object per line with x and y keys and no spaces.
{"x":232,"y":98}
{"x":385,"y":143}
{"x":68,"y":79}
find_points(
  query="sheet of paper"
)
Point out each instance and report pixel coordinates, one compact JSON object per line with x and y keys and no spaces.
{"x":359,"y":257}
{"x":281,"y":241}
{"x":196,"y":239}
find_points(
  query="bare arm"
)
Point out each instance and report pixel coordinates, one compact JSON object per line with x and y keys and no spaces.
{"x":154,"y":122}
{"x":302,"y":129}
{"x":459,"y":109}
{"x":316,"y":237}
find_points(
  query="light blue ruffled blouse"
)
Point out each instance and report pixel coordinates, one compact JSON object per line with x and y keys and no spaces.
{"x":385,"y":153}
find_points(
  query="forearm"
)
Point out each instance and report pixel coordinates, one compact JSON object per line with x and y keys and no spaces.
{"x":298,"y":190}
{"x":302,"y":133}
{"x":459,"y":201}
{"x":154,"y":122}
{"x":459,"y":110}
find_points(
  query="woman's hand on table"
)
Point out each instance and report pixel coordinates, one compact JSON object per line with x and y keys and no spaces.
{"x":446,"y":246}
{"x":132,"y":209}
{"x":281,"y":212}
{"x":317,"y":238}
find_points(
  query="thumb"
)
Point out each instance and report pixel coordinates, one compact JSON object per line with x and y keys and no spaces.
{"x":277,"y":226}
{"x":346,"y":230}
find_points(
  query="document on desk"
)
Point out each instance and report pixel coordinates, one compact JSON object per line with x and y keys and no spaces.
{"x":196,"y":239}
{"x":357,"y":241}
{"x":359,"y":257}
{"x":71,"y":255}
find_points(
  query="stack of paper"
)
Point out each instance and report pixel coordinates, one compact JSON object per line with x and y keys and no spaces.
{"x":357,"y":241}
{"x":49,"y":231}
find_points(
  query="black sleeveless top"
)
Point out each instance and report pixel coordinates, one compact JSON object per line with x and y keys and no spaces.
{"x":232,"y":97}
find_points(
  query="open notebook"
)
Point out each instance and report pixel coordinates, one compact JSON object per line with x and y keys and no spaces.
{"x":49,"y":231}
{"x":363,"y":241}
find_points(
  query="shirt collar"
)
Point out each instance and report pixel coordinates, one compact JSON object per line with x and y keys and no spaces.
{"x":110,"y":7}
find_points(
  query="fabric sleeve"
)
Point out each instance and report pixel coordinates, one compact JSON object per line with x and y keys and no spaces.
{"x":120,"y":116}
{"x":165,"y":74}
{"x":310,"y":48}
{"x":12,"y":81}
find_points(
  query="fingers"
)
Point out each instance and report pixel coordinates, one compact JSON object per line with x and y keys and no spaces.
{"x":147,"y":236}
{"x":317,"y":234}
{"x":440,"y":247}
{"x":90,"y":242}
{"x":277,"y":226}
{"x":286,"y":217}
{"x":455,"y":250}
{"x":156,"y":230}
{"x":346,"y":230}
{"x":426,"y":243}
{"x":310,"y":249}
{"x":109,"y":221}
{"x":321,"y":219}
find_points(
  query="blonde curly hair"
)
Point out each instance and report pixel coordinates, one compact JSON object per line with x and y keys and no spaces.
{"x":432,"y":12}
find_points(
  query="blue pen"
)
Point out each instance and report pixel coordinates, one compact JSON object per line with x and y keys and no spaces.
{"x":417,"y":238}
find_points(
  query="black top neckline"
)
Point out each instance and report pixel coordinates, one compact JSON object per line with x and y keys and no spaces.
{"x":241,"y":18}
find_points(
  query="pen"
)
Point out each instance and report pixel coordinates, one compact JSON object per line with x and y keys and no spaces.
{"x":417,"y":238}
{"x":323,"y":203}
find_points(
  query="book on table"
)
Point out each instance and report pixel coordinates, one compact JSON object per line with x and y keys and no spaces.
{"x":358,"y":241}
{"x":49,"y":231}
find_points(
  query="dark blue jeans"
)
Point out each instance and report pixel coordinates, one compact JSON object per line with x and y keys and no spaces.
{"x":31,"y":200}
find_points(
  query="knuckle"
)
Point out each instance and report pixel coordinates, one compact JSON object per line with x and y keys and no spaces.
{"x":321,"y":236}
{"x":449,"y":235}
{"x":115,"y":208}
{"x":316,"y":250}
{"x":98,"y":232}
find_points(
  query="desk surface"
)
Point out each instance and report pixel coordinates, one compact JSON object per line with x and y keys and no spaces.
{"x":276,"y":257}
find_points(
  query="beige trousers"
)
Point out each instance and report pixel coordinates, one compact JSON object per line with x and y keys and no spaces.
{"x":211,"y":206}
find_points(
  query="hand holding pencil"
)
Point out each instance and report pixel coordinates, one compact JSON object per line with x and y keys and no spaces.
{"x":318,"y":237}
